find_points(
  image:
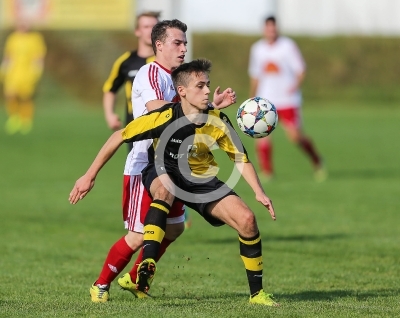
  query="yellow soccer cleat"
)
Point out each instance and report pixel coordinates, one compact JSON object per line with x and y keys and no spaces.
{"x":320,"y":174}
{"x":265,"y":177}
{"x":261,"y":298}
{"x":125,"y":282}
{"x":13,"y":125}
{"x":99,"y":293}
{"x":145,"y":274}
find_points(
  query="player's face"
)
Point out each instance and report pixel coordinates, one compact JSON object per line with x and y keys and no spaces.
{"x":144,"y":27}
{"x":270,"y":31}
{"x":198,"y":90}
{"x":173,"y":50}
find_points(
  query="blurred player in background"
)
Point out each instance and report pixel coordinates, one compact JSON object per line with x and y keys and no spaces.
{"x":276,"y":70}
{"x":152,"y":88}
{"x":125,"y":69}
{"x":21,"y":69}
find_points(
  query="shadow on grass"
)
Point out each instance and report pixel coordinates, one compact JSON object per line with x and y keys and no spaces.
{"x":229,"y":296}
{"x":378,"y":173}
{"x":338,"y":293}
{"x":290,"y":238}
{"x":309,"y":295}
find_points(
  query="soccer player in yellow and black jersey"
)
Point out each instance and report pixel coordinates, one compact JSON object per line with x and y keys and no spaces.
{"x":21,"y":69}
{"x":183,"y":168}
{"x":124,"y":71}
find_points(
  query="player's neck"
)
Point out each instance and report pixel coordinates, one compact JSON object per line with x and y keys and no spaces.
{"x":191,"y":112}
{"x":145,"y":51}
{"x":164,"y":63}
{"x":272,"y":41}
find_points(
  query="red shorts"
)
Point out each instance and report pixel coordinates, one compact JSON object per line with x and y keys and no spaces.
{"x":136,"y":202}
{"x":290,"y":116}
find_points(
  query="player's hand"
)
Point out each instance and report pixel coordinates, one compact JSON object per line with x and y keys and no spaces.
{"x":264,"y":200}
{"x":224,"y":99}
{"x":82,"y":187}
{"x":113,"y":121}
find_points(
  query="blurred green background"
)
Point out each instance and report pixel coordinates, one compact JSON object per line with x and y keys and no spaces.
{"x":350,"y":69}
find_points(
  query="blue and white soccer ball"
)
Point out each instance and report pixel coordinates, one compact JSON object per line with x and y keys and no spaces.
{"x":257,"y":117}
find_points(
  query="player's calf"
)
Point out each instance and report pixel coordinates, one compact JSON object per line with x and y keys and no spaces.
{"x":134,"y":240}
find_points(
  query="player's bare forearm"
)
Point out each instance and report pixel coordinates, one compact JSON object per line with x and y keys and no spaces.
{"x":250,"y":175}
{"x":111,"y":117}
{"x":299,"y":80}
{"x":105,"y":153}
{"x":253,"y":87}
{"x":84,"y":184}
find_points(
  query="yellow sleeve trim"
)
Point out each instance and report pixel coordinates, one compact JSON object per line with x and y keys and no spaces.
{"x":150,"y":59}
{"x":114,"y":72}
{"x":143,"y":127}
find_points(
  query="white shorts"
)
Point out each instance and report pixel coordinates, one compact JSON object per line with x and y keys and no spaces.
{"x":136,"y":202}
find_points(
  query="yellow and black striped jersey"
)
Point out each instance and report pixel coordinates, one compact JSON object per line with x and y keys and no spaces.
{"x":123,"y":72}
{"x":182,"y":146}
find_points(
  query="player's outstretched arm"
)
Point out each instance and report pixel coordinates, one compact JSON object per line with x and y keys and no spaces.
{"x":111,"y":117}
{"x":85,"y":183}
{"x":224,"y":99}
{"x":250,"y":175}
{"x":253,"y":86}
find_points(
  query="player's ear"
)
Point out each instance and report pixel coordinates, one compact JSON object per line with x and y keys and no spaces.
{"x":159,"y":45}
{"x":181,"y":91}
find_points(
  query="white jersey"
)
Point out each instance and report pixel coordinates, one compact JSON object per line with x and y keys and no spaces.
{"x":152,"y":82}
{"x":276,"y":67}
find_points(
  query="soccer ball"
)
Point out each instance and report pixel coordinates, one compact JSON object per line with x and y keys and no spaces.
{"x":257,"y":117}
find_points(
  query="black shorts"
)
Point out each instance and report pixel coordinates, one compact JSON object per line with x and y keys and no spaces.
{"x":195,"y":195}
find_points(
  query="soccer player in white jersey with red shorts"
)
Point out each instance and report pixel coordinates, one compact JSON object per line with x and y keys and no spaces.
{"x":276,"y":70}
{"x":152,"y":88}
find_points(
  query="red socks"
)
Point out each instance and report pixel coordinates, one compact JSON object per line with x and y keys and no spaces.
{"x":307,"y":146}
{"x":264,"y":152}
{"x":118,"y":257}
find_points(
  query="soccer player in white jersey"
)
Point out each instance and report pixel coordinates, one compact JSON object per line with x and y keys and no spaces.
{"x":276,"y":70}
{"x":152,"y":88}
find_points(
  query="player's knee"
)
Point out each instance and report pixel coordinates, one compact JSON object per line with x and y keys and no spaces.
{"x":249,"y":218}
{"x":173,"y":231}
{"x":134,"y":240}
{"x":163,"y":194}
{"x":247,"y":222}
{"x":294,"y":136}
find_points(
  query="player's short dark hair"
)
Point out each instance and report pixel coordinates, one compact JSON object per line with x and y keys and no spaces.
{"x":181,"y":75}
{"x":270,"y":18}
{"x":159,"y":32}
{"x":150,"y":14}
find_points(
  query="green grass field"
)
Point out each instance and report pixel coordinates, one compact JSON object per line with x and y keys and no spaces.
{"x":333,"y":252}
